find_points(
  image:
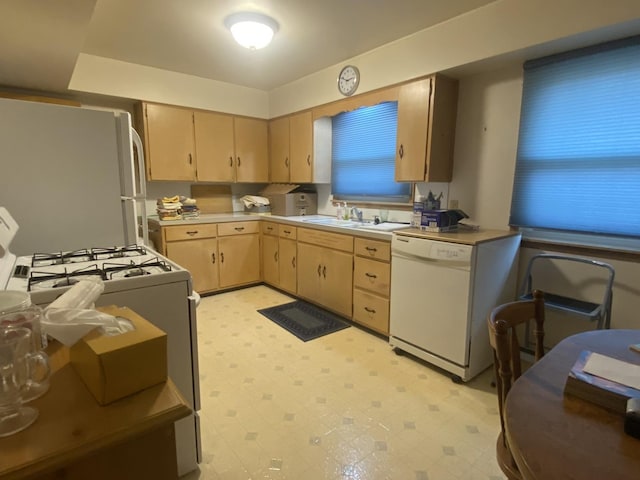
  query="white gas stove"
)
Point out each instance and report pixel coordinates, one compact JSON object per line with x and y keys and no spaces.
{"x":47,"y":275}
{"x":134,"y":276}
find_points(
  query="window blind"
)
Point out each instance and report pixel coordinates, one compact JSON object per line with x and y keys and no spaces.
{"x":578,"y":158}
{"x":363,"y":155}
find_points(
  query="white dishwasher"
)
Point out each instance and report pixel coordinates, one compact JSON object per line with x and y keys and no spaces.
{"x":441,"y":293}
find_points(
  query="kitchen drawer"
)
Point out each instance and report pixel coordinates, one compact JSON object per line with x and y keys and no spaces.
{"x":371,"y":310}
{"x":237,"y":228}
{"x":326,"y":239}
{"x":189,"y":232}
{"x":287,"y":231}
{"x":372,"y":275}
{"x":270,"y":228}
{"x":379,"y":250}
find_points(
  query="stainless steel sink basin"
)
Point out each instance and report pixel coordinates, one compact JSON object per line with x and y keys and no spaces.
{"x":366,"y":225}
{"x":334,"y":222}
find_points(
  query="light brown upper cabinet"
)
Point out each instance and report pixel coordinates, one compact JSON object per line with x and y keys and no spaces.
{"x":291,"y":149}
{"x":188,"y":145}
{"x":168,"y":142}
{"x":426,"y":130}
{"x":231,"y":149}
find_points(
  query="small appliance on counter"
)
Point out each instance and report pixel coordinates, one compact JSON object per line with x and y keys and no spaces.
{"x":289,"y":200}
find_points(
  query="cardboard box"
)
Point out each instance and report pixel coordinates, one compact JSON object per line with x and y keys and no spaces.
{"x":289,"y":200}
{"x":442,"y":218}
{"x":113,"y":367}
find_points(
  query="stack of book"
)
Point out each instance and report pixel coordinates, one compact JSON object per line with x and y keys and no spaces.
{"x":604,"y":381}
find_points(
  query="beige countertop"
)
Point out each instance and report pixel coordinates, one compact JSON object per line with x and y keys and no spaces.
{"x":467,"y":237}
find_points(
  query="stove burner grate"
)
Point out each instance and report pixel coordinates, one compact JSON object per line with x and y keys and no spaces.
{"x":62,"y":279}
{"x":59,"y":258}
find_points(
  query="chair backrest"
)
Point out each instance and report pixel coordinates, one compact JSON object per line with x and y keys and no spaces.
{"x":502,"y":323}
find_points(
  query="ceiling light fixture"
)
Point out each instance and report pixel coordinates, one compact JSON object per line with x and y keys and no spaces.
{"x":252,"y":30}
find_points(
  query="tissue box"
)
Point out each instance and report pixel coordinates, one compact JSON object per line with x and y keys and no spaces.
{"x":442,"y":218}
{"x":113,"y":367}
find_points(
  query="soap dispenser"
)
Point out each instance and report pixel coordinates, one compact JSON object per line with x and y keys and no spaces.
{"x":345,"y":212}
{"x":339,"y":211}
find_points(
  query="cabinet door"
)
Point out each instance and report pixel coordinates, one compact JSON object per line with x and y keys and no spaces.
{"x":252,"y":150}
{"x":270,"y":260}
{"x":337,"y":281}
{"x":200,"y":258}
{"x":413,"y":125}
{"x":279,"y":150}
{"x":214,"y":147}
{"x":287,"y":260}
{"x":170,"y":143}
{"x":239,"y":259}
{"x":301,"y":147}
{"x":309,"y":271}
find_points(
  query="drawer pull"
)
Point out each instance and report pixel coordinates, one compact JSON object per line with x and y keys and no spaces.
{"x":371,"y":275}
{"x":293,"y":262}
{"x":324,"y":271}
{"x":286,"y":161}
{"x":275,"y":256}
{"x":371,"y":249}
{"x":190,"y":160}
{"x":370,"y":310}
{"x":238,"y":161}
{"x":309,"y":159}
{"x":270,"y":228}
{"x":238,"y":229}
{"x":221,"y":257}
{"x":401,"y":151}
{"x":287,"y":232}
{"x":319,"y":270}
{"x":192,"y":232}
{"x":231,"y":161}
{"x":213,"y":258}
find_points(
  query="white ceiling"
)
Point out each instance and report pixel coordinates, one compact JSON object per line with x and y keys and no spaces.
{"x":41,"y":40}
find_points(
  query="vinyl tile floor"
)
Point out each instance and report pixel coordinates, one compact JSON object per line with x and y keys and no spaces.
{"x":343,"y":406}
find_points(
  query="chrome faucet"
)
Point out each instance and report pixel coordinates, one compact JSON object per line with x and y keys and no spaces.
{"x":356,"y":213}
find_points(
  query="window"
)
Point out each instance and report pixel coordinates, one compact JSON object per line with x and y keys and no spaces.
{"x":363,"y":154}
{"x":578,"y":160}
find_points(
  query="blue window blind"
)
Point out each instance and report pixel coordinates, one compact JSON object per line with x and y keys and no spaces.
{"x":578,"y":160}
{"x":363,"y":155}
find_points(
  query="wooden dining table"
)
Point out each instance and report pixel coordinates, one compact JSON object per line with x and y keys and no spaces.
{"x":557,"y":436}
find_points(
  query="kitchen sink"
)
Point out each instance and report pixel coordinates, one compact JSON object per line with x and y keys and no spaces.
{"x":334,"y":222}
{"x":366,"y":225}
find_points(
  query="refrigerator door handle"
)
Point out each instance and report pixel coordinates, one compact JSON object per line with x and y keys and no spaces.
{"x":140,"y":187}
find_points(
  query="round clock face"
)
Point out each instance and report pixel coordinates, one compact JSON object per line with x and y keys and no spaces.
{"x":348,"y":80}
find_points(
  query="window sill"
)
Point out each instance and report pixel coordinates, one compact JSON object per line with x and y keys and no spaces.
{"x":626,"y":249}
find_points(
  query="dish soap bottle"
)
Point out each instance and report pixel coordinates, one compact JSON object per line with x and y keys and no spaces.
{"x":339,"y":211}
{"x":345,"y":212}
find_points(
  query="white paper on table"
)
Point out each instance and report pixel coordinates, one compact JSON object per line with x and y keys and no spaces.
{"x":611,"y":369}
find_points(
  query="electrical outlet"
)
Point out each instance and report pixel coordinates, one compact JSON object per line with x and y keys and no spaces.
{"x":453,"y":204}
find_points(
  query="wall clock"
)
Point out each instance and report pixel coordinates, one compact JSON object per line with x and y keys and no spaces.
{"x":348,"y":80}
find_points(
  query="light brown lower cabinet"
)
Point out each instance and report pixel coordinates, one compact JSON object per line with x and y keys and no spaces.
{"x":195,"y":247}
{"x":325,"y":269}
{"x":279,"y":252}
{"x":239,"y":253}
{"x":371,"y":284}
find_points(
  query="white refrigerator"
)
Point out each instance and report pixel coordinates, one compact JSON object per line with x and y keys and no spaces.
{"x":70,"y":177}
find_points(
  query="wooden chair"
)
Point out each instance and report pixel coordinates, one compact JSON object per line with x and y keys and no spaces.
{"x":502,"y":323}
